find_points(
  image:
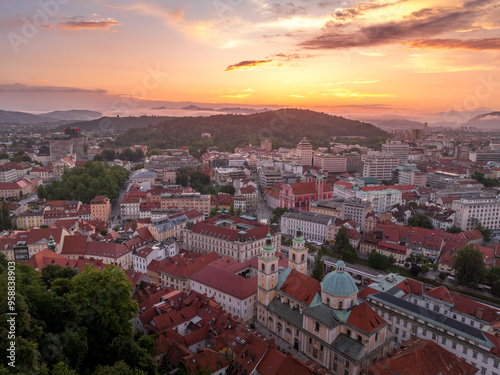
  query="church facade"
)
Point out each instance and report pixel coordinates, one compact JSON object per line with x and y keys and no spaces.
{"x":300,"y":194}
{"x":323,"y":320}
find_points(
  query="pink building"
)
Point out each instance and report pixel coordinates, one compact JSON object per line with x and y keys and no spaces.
{"x":300,"y":194}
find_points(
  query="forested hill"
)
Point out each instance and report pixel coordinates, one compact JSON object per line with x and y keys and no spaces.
{"x":284,"y":127}
{"x":116,"y":124}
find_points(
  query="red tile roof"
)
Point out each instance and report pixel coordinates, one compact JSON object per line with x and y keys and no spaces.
{"x":183,"y":265}
{"x":421,"y":357}
{"x":46,"y":257}
{"x":394,"y":187}
{"x":365,"y":318}
{"x":74,"y":244}
{"x":464,"y":304}
{"x":301,"y":287}
{"x":226,"y":282}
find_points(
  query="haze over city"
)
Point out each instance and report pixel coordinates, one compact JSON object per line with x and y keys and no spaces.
{"x":406,"y":58}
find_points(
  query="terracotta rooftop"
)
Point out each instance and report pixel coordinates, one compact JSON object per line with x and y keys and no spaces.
{"x":301,"y":287}
{"x":425,"y":358}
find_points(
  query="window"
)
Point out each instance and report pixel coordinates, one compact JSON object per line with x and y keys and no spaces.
{"x":443,"y":341}
{"x":495,"y":364}
{"x":340,"y":305}
{"x":436,"y":308}
{"x":376,"y":337}
{"x":474,"y":354}
{"x":465,"y":350}
{"x":316,"y":327}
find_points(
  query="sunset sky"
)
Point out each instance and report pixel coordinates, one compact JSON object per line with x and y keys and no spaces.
{"x":398,"y":56}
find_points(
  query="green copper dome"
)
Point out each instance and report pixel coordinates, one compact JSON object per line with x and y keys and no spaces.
{"x":339,"y":283}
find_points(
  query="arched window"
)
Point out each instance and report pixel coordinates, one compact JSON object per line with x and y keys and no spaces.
{"x":316,"y":327}
{"x":293,"y":257}
{"x":303,"y":257}
{"x":273,"y":267}
{"x":328,"y":301}
{"x":340,"y":305}
{"x":278,"y":326}
{"x":263,"y":267}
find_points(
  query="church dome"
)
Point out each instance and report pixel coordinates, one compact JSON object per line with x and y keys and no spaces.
{"x":339,"y":283}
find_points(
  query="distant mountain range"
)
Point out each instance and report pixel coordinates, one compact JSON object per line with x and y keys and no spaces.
{"x":55,"y":117}
{"x":234,"y":110}
{"x":486,"y":120}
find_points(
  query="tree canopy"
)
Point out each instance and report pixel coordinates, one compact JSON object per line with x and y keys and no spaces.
{"x":72,"y":324}
{"x":344,"y":246}
{"x":421,"y":221}
{"x":379,"y":261}
{"x":469,"y":265}
{"x":318,"y":270}
{"x":84,"y":183}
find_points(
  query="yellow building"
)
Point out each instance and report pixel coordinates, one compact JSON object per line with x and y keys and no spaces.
{"x":100,"y":208}
{"x":187,"y":201}
{"x":29,"y":220}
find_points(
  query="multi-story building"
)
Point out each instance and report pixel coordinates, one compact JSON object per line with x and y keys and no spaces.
{"x":100,"y":208}
{"x":142,"y":176}
{"x":460,"y":325}
{"x":411,"y":177}
{"x":7,"y":174}
{"x":330,"y":207}
{"x":470,"y":211}
{"x":354,"y":164}
{"x":251,"y":196}
{"x":381,"y":200}
{"x":187,"y":201}
{"x":379,"y":165}
{"x":235,"y":293}
{"x":171,"y":226}
{"x":330,"y":163}
{"x":71,"y":142}
{"x":356,"y":210}
{"x":313,"y":225}
{"x":176,"y":271}
{"x":226,"y":176}
{"x":324,"y":321}
{"x":269,"y":177}
{"x":305,"y":152}
{"x":130,"y":207}
{"x":236,"y":237}
{"x":399,"y":149}
{"x":29,"y":220}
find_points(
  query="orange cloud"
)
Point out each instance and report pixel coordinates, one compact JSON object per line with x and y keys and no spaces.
{"x":248,"y":64}
{"x":79,"y":24}
{"x":470,"y":44}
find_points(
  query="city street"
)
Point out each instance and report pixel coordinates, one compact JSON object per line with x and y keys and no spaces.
{"x":263,"y":210}
{"x":27,"y":199}
{"x":115,"y":208}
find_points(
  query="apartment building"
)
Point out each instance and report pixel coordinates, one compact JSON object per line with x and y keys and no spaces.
{"x":379,"y":165}
{"x":470,"y":211}
{"x":187,"y":201}
{"x":100,"y":208}
{"x":305,"y":152}
{"x":399,"y":149}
